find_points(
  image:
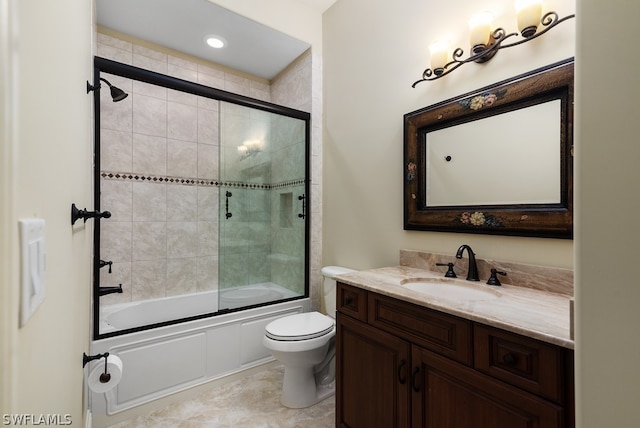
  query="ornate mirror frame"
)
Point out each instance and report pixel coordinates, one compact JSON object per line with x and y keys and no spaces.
{"x":549,"y":220}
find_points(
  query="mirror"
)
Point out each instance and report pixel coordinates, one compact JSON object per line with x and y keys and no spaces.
{"x":496,"y":161}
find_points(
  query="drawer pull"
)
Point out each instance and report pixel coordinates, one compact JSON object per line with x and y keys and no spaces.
{"x":347,"y":301}
{"x":414,"y":379}
{"x":509,"y":359}
{"x":402,"y":379}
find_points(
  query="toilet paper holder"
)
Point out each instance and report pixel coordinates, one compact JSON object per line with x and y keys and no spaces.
{"x":104,"y":377}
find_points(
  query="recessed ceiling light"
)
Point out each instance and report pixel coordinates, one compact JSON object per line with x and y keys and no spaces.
{"x":215,"y":41}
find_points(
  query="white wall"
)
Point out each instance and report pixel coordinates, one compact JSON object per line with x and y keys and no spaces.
{"x":607,"y":199}
{"x":372,"y":55}
{"x":46,"y":165}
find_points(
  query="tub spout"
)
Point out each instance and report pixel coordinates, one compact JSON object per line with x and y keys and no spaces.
{"x":102,"y":291}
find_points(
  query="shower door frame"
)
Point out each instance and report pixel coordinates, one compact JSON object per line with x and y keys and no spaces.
{"x":146,"y":76}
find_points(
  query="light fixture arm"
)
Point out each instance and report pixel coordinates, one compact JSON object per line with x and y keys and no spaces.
{"x":497,"y":37}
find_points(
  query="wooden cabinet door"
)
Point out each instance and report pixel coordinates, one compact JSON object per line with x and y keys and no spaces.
{"x":446,"y":394}
{"x":372,"y":377}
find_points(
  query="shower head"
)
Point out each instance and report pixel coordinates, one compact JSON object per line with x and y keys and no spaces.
{"x":117,"y":94}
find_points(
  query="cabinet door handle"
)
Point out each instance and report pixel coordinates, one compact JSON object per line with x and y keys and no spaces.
{"x":510,"y":359}
{"x":402,"y":379}
{"x":414,"y":379}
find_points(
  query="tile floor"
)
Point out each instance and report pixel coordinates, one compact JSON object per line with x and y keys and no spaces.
{"x":253,"y":402}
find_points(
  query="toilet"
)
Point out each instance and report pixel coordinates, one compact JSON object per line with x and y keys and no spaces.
{"x":305,"y":345}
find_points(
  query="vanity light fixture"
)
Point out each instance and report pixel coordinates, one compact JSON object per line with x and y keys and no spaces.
{"x":117,"y":94}
{"x":486,"y":43}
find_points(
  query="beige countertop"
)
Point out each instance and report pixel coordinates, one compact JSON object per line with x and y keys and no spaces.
{"x":534,"y":313}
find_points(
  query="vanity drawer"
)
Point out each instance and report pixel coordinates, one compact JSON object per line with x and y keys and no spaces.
{"x":527,"y":363}
{"x":435,"y":331}
{"x":352,"y":301}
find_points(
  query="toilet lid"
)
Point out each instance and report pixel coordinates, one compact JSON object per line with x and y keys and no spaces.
{"x":303,"y":326}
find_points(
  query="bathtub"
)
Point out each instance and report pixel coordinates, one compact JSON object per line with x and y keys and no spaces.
{"x":154,"y":311}
{"x":163,"y":361}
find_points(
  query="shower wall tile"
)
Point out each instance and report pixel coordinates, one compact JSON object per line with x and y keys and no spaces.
{"x":207,"y":238}
{"x":120,"y":55}
{"x":116,"y":240}
{"x":149,"y":59}
{"x":208,"y":203}
{"x":182,"y":120}
{"x":149,"y":241}
{"x":115,"y":49}
{"x":117,"y":198}
{"x":116,"y":150}
{"x":182,"y":158}
{"x":149,"y":202}
{"x":208,"y":161}
{"x":181,"y":276}
{"x":155,"y":91}
{"x":208,"y":128}
{"x":149,"y":115}
{"x":209,"y":104}
{"x":182,"y":239}
{"x":148,"y":279}
{"x":149,"y":155}
{"x":182,"y":63}
{"x":150,"y":53}
{"x":183,"y":73}
{"x":182,"y":203}
{"x":236,"y":84}
{"x":207,"y":273}
{"x":210,"y":77}
{"x":182,"y":97}
{"x":117,"y":116}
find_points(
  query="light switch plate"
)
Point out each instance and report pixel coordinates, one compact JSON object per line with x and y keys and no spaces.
{"x":33,"y":266}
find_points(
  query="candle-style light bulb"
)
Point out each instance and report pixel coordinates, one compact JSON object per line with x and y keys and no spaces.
{"x":439,"y":56}
{"x":480,"y":31}
{"x":529,"y":13}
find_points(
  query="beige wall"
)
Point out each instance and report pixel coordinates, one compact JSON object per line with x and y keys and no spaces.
{"x":372,"y":55}
{"x":607,"y":198}
{"x":46,"y":168}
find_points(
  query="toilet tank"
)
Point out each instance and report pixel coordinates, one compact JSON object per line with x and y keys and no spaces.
{"x":329,"y":287}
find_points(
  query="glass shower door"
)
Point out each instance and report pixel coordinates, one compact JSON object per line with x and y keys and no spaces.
{"x":262,"y":248}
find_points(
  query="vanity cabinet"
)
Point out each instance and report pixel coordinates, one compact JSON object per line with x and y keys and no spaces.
{"x":404,"y":365}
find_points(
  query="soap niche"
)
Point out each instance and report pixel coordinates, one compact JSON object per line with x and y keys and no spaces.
{"x":286,"y":210}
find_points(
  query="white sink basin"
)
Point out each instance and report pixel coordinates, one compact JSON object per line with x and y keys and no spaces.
{"x":446,"y":288}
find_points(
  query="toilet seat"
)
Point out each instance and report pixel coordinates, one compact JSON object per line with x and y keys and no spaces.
{"x":304,"y":326}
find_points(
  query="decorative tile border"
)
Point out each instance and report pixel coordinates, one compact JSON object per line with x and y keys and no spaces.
{"x":185,"y":181}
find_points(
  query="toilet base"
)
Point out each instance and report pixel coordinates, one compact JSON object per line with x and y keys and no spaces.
{"x":299,"y":388}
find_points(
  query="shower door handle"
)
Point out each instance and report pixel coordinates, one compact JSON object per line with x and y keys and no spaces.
{"x":302,"y":198}
{"x":226,"y":204}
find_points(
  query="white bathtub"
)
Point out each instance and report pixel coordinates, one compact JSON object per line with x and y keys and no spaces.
{"x":162,"y":361}
{"x":154,"y":311}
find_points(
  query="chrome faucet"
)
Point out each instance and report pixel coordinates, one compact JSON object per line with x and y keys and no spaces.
{"x":472,"y":272}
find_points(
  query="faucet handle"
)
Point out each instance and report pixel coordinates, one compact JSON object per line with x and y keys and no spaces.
{"x":493,"y":279}
{"x":450,"y":273}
